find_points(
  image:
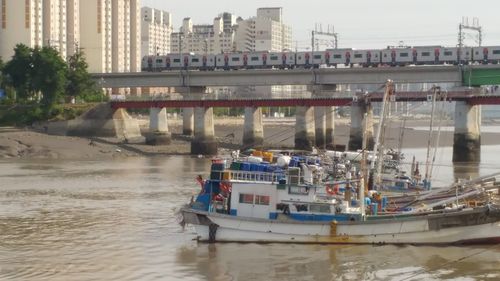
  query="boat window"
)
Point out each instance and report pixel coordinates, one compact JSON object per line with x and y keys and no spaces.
{"x":448,"y":53}
{"x":496,"y":52}
{"x":403,"y":55}
{"x":261,"y":200}
{"x":426,"y":54}
{"x":246,"y":198}
{"x":274,"y":57}
{"x":254,"y":59}
{"x":317,"y":57}
{"x":298,"y":190}
{"x":301,"y":207}
{"x":358,"y":56}
{"x":337,"y":56}
{"x":319,"y":208}
{"x":177,"y":60}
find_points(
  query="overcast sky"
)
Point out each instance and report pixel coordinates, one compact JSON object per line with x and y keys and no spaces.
{"x":359,"y":23}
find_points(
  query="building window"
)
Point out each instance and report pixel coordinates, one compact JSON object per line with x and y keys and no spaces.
{"x":27,"y":13}
{"x":99,"y":15}
{"x":261,"y":200}
{"x":4,"y":14}
{"x":246,"y":198}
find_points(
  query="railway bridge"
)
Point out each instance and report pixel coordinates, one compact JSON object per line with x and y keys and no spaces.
{"x":314,"y":119}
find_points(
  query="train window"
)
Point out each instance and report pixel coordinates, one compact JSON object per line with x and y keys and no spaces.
{"x":358,"y":56}
{"x":300,"y":57}
{"x":448,"y":53}
{"x":337,"y":56}
{"x":195,"y":60}
{"x":254,"y":58}
{"x":159,"y":61}
{"x":235,"y":59}
{"x":426,"y":54}
{"x":403,"y":55}
{"x":385,"y":55}
{"x":274,"y":57}
{"x":317,"y":57}
{"x":496,"y":52}
{"x":177,"y":60}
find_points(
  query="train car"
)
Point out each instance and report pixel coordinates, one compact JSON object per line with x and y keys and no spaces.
{"x":147,"y":63}
{"x":397,"y":56}
{"x":335,"y":57}
{"x":230,"y":61}
{"x":202,"y":62}
{"x":365,"y":58}
{"x":486,"y":54}
{"x":304,"y":59}
{"x":281,"y":60}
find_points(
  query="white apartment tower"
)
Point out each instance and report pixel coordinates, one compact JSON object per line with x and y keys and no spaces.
{"x":21,"y":22}
{"x":110,"y":35}
{"x":54,"y":25}
{"x":156,"y":28}
{"x":265,"y":32}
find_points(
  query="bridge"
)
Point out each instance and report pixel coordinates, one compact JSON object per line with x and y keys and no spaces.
{"x":473,"y":75}
{"x":464,"y":96}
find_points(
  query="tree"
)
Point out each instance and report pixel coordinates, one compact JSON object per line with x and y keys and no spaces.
{"x":49,"y":75}
{"x":20,"y":70}
{"x":2,"y":78}
{"x":80,"y":83}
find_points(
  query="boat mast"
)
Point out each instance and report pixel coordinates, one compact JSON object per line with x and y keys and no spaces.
{"x":363,"y":180}
{"x":429,"y":139}
{"x":388,"y":91}
{"x":442,"y":96}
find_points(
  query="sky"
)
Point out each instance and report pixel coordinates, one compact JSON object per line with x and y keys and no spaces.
{"x":359,"y":23}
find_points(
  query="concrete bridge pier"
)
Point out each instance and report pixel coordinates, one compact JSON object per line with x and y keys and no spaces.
{"x":253,"y":131}
{"x":188,"y":121}
{"x":467,"y":137}
{"x":304,"y":128}
{"x":330,"y":127}
{"x":204,"y":141}
{"x":320,"y":126}
{"x":158,"y":127}
{"x":188,"y":113}
{"x":359,"y":111}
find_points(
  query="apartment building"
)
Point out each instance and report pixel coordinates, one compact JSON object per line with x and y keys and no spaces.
{"x":156,"y":29}
{"x":205,"y":38}
{"x":21,"y":21}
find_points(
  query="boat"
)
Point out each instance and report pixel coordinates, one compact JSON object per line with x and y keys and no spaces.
{"x":293,"y":206}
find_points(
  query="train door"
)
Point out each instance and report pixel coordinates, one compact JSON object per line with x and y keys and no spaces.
{"x":226,"y":62}
{"x":150,"y":63}
{"x":347,"y":58}
{"x":307,"y":58}
{"x":327,"y":58}
{"x":264,"y":60}
{"x":437,"y":53}
{"x":414,"y":54}
{"x":204,"y":62}
{"x":485,"y":55}
{"x":393,"y":57}
{"x":245,"y":60}
{"x":167,"y":63}
{"x":283,"y":61}
{"x":368,"y":58}
{"x":186,"y":62}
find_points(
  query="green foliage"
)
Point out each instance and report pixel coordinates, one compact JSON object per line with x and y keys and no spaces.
{"x":19,"y":71}
{"x":80,"y":83}
{"x":2,"y":77}
{"x":49,"y":75}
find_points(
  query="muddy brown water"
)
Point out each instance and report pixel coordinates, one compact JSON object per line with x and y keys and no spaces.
{"x":115,"y":220}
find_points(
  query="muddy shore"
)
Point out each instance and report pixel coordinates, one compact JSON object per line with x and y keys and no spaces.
{"x":26,"y":143}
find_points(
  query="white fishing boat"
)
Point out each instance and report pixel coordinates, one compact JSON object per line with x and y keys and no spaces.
{"x":293,"y":207}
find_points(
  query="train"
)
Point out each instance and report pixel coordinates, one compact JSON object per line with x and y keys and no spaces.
{"x":424,"y":55}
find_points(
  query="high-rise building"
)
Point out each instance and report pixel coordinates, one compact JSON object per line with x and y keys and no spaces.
{"x":156,"y":28}
{"x":265,"y":32}
{"x":54,"y":25}
{"x":205,"y":38}
{"x":21,"y":22}
{"x":110,"y":37}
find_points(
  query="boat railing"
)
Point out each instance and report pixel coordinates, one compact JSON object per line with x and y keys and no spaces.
{"x":252,"y":176}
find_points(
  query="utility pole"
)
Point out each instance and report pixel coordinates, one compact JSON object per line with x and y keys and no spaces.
{"x":464,"y":25}
{"x":330,"y":32}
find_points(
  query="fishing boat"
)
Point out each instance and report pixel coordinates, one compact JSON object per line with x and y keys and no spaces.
{"x":294,"y":206}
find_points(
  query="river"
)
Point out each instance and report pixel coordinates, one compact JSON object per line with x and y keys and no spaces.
{"x":115,"y":220}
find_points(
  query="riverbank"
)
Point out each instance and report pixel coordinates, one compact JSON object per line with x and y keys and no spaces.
{"x":278,"y":132}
